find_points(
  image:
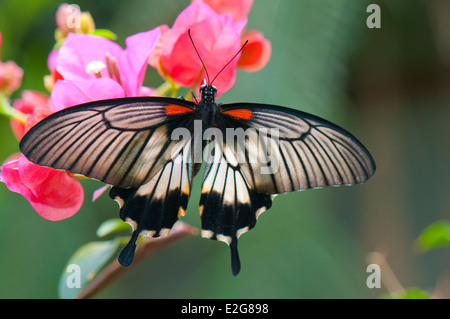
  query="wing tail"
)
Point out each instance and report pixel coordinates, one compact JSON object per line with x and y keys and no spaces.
{"x":228,"y":206}
{"x":153,"y":208}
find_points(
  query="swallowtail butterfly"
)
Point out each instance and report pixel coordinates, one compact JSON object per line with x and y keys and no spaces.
{"x":150,"y":149}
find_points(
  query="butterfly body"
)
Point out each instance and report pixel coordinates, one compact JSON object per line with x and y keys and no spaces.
{"x":151,"y":148}
{"x":207,"y":108}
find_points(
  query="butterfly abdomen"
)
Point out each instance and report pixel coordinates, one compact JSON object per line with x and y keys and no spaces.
{"x":208,"y":112}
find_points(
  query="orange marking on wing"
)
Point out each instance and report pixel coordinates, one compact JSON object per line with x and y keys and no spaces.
{"x":240,"y":113}
{"x":173,"y":109}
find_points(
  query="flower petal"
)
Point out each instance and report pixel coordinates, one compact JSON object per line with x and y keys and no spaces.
{"x":133,"y":61}
{"x":239,"y":9}
{"x":67,"y":93}
{"x":193,"y":14}
{"x":155,"y":57}
{"x":10,"y":76}
{"x":256,"y":53}
{"x":217,"y":39}
{"x":9,"y":175}
{"x":99,"y":192}
{"x":66,"y":16}
{"x":35,"y":106}
{"x":52,"y":193}
{"x":79,"y":50}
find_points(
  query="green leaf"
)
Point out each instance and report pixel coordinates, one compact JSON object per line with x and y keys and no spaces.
{"x":434,"y":236}
{"x":84,"y":265}
{"x":111,"y":226}
{"x":410,"y":293}
{"x":105,"y":33}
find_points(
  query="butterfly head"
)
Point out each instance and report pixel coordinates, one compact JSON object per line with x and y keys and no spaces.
{"x":208,"y":92}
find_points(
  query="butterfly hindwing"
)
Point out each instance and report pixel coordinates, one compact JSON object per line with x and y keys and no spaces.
{"x":122,"y":142}
{"x":153,"y":208}
{"x":228,"y":206}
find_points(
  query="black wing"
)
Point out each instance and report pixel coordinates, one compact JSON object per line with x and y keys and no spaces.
{"x":122,"y":142}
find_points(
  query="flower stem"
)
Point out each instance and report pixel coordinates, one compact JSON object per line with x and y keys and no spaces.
{"x":7,"y":110}
{"x":147,"y":247}
{"x":163,"y":89}
{"x":174,"y":87}
{"x":167,"y":86}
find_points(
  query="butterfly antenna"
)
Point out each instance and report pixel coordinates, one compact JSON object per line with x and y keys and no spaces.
{"x":229,"y":61}
{"x":204,"y":67}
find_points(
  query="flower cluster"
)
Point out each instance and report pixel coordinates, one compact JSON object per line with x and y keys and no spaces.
{"x":10,"y":75}
{"x":87,"y":65}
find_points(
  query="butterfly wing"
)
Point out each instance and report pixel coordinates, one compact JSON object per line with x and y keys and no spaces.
{"x":288,"y":150}
{"x":262,"y":150}
{"x":228,"y":206}
{"x":130,"y":144}
{"x":122,"y":142}
{"x":153,"y":208}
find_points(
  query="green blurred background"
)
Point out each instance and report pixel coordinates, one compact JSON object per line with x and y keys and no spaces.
{"x":388,"y":86}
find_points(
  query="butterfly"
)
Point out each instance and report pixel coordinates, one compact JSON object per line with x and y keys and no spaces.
{"x":149,"y":149}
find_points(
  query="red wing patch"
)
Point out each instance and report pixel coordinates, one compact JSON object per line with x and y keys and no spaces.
{"x":173,"y":109}
{"x":243,"y":114}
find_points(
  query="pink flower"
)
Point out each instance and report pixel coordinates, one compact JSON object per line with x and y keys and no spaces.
{"x":35,"y":105}
{"x":10,"y":75}
{"x":67,"y":18}
{"x":90,"y":68}
{"x":68,"y":93}
{"x":86,"y":68}
{"x":52,"y":193}
{"x":54,"y":76}
{"x":125,"y":66}
{"x":256,"y":53}
{"x":155,"y":57}
{"x":217,"y":38}
{"x":238,"y":9}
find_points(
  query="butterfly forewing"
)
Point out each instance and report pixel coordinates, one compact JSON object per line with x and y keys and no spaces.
{"x":122,"y":142}
{"x":296,"y":150}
